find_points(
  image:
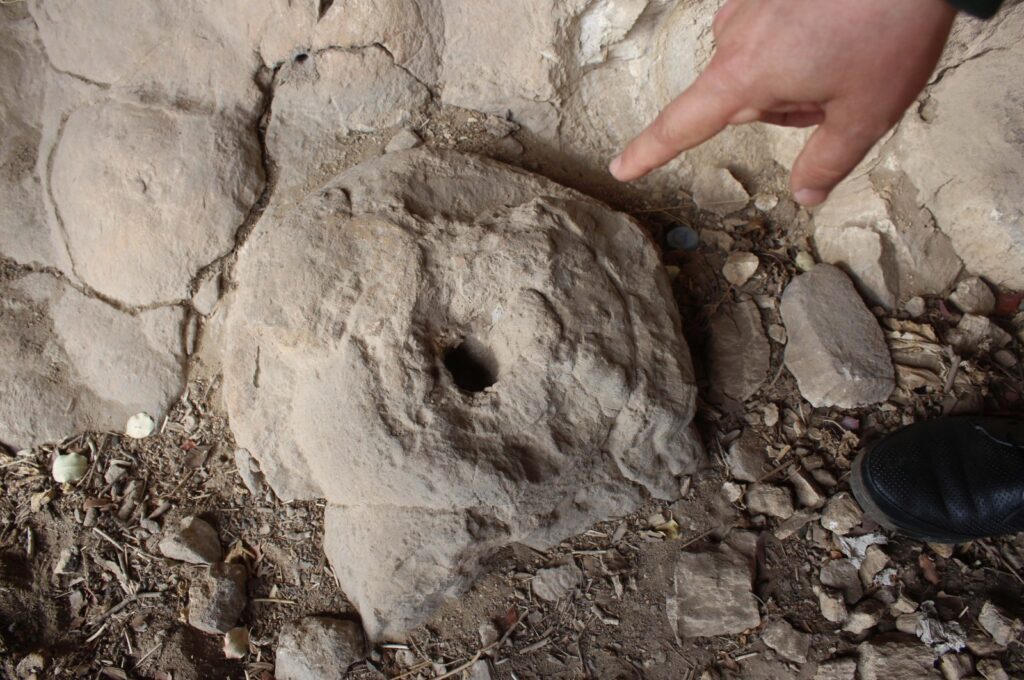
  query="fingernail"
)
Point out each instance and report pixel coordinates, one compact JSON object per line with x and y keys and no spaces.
{"x":613,"y":167}
{"x":810,"y":197}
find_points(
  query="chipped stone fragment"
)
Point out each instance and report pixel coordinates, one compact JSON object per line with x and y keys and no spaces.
{"x":217,"y":597}
{"x":790,"y":643}
{"x":836,"y":349}
{"x":832,"y":607}
{"x":766,"y":499}
{"x":404,"y":139}
{"x":973,"y":296}
{"x":864,"y":617}
{"x":717,"y":191}
{"x":841,"y":514}
{"x":551,"y":585}
{"x":193,"y":541}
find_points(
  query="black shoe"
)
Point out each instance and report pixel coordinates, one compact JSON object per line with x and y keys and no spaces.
{"x":949,"y":480}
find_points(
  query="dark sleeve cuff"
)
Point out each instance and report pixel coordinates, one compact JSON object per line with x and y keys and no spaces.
{"x":984,"y":9}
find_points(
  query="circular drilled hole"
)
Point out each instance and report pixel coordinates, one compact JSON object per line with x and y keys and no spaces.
{"x":472,"y":365}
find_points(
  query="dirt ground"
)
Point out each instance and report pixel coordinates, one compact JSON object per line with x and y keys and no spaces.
{"x":84,"y":591}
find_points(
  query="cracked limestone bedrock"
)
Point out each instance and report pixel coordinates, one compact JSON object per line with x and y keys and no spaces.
{"x":884,"y":240}
{"x":457,"y":355}
{"x":149,"y":195}
{"x":970,"y":178}
{"x":836,"y":348}
{"x":332,"y":93}
{"x":209,"y":62}
{"x":25,"y":234}
{"x":70,"y":363}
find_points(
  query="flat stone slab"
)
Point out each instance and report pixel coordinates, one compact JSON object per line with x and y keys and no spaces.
{"x":713,"y":594}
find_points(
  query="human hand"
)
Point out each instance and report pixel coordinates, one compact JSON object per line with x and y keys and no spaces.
{"x":851,"y":67}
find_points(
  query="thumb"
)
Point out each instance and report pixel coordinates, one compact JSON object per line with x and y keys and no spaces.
{"x":832,"y":152}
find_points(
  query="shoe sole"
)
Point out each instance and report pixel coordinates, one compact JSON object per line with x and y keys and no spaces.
{"x":872,"y":510}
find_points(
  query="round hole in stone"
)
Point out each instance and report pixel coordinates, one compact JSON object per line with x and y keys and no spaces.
{"x":472,"y":365}
{"x":301,"y":57}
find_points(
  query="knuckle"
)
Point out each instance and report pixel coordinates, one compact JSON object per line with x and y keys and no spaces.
{"x":728,"y":75}
{"x":663,"y":131}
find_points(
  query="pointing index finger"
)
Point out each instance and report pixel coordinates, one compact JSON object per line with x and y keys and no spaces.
{"x":702,"y":111}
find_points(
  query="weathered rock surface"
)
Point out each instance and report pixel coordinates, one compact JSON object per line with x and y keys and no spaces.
{"x":333,"y":93}
{"x":148,"y":196}
{"x":404,"y":340}
{"x":408,"y":29}
{"x":712,"y":594}
{"x":865,"y":256}
{"x":836,"y":349}
{"x":217,"y":597}
{"x":504,"y":66}
{"x":70,"y":362}
{"x":972,"y":181}
{"x":738,"y":350}
{"x":318,"y":647}
{"x":194,"y":541}
{"x":214,"y":40}
{"x":25,"y":234}
{"x":910,"y":660}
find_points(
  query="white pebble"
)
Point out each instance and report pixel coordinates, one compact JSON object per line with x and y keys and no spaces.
{"x":69,"y":467}
{"x":140,"y":426}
